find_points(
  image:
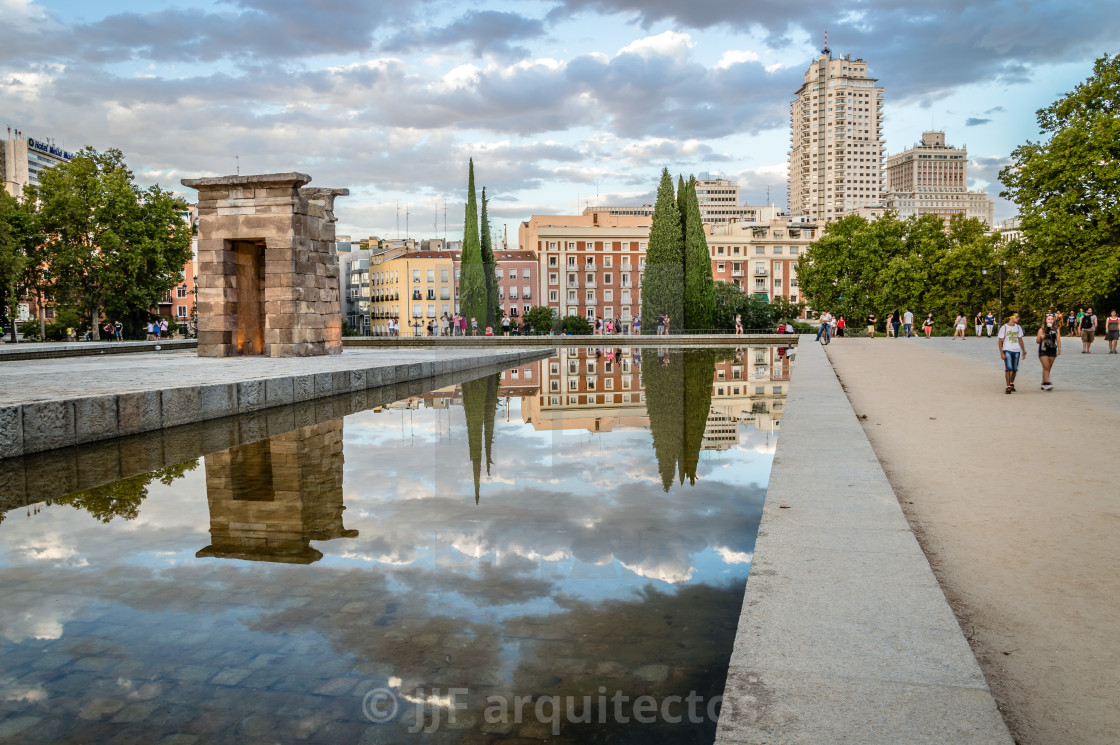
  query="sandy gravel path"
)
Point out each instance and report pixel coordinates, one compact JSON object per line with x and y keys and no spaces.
{"x":1016,"y":501}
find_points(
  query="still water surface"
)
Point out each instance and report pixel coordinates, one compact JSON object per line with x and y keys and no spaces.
{"x":514,"y":558}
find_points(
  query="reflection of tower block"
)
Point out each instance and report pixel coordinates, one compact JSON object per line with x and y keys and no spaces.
{"x":270,"y":499}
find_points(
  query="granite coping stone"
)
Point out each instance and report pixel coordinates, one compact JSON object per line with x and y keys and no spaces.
{"x":79,"y":401}
{"x":844,"y":634}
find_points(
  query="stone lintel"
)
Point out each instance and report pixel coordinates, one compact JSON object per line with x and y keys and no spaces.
{"x":291,"y":179}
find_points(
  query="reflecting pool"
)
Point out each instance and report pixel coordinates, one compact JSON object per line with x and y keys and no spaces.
{"x":557,"y":551}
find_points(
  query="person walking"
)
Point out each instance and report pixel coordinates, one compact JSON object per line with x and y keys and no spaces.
{"x":989,"y":323}
{"x":871,"y":321}
{"x":1088,"y":330}
{"x":666,"y":324}
{"x":908,"y":323}
{"x":895,"y":323}
{"x":636,"y":325}
{"x":928,"y":325}
{"x":738,"y":323}
{"x":1072,"y":321}
{"x":1112,"y":331}
{"x":978,"y":322}
{"x":1049,"y":340}
{"x":118,"y":329}
{"x":505,"y":325}
{"x":1011,"y":348}
{"x":959,"y":326}
{"x":841,"y":324}
{"x":474,"y":326}
{"x":163,"y":328}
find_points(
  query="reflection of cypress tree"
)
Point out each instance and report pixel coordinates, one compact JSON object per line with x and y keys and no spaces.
{"x":480,"y":398}
{"x":122,"y":498}
{"x":699,"y":369}
{"x":662,"y":378}
{"x":490,"y":410}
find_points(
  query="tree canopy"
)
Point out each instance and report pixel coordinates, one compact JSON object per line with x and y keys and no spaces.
{"x":110,"y":245}
{"x":699,"y":287}
{"x":1067,"y":188}
{"x":663,"y":283}
{"x":18,"y":242}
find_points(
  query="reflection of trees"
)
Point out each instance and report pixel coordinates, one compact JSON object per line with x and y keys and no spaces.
{"x":122,"y":498}
{"x":678,"y":390}
{"x":480,"y":400}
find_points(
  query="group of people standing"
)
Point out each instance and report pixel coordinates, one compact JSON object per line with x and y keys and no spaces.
{"x":607,"y":326}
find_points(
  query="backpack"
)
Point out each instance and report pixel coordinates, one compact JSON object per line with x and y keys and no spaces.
{"x":1086,"y":321}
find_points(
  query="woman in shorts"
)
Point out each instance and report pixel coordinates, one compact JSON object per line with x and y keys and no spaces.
{"x":959,"y":326}
{"x":928,"y":325}
{"x":1049,"y":340}
{"x":1112,"y":331}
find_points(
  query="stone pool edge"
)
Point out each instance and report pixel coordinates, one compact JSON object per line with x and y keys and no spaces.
{"x":845,"y":634}
{"x":39,"y":426}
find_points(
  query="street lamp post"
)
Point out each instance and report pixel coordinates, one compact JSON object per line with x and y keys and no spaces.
{"x":984,"y":271}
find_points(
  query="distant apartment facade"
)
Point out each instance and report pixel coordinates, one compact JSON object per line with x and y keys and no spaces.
{"x":761,"y":258}
{"x":836,"y":155}
{"x":718,"y":199}
{"x":931,"y":178}
{"x":518,"y":283}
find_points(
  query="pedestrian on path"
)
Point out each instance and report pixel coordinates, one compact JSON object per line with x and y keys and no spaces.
{"x":959,"y":326}
{"x":1088,"y":330}
{"x":928,"y":325}
{"x":1072,"y":320}
{"x":636,"y":325}
{"x":738,"y":323}
{"x":894,"y":324}
{"x":989,"y":322}
{"x":978,"y":322}
{"x":1011,"y":348}
{"x":826,"y":321}
{"x":474,"y":326}
{"x":871,"y":321}
{"x":1112,"y":331}
{"x":505,"y":325}
{"x":908,"y":323}
{"x":1049,"y":340}
{"x":841,"y":324}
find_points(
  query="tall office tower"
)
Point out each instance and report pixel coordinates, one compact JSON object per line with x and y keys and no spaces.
{"x":836,"y":158}
{"x":22,"y":159}
{"x":931,"y":178}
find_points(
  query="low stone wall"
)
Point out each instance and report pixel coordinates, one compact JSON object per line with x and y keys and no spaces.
{"x":37,"y":426}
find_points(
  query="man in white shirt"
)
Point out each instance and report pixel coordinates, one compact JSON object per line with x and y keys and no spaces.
{"x":1011,"y":348}
{"x":826,"y":321}
{"x":907,"y":323}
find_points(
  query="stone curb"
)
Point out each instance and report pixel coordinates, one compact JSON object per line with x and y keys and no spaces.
{"x":47,"y":425}
{"x":845,"y":634}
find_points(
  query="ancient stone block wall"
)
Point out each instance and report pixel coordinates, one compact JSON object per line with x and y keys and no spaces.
{"x":268,"y":277}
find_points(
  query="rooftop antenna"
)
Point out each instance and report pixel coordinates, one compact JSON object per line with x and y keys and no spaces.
{"x":237,"y":159}
{"x":826,"y":50}
{"x":398,"y":219}
{"x":445,"y":221}
{"x":406,"y":214}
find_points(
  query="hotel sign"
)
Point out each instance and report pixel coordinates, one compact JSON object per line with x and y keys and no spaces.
{"x":49,"y":149}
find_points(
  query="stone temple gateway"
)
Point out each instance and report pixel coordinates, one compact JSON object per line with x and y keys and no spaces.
{"x":267,"y":268}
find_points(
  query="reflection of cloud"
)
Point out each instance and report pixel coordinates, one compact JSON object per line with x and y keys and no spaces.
{"x":734,"y":557}
{"x":664,"y":572}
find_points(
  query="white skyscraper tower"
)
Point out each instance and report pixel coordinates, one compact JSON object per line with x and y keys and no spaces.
{"x":836,"y":158}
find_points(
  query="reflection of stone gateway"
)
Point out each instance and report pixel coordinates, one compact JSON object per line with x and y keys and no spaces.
{"x":267,"y":267}
{"x":270,"y":499}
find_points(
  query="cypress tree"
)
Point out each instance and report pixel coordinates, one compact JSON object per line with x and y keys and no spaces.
{"x":490,"y":264}
{"x":663,"y":284}
{"x":472,"y":279}
{"x":699,"y":287}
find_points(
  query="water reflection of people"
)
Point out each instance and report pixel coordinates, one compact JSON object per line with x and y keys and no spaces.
{"x":270,"y":499}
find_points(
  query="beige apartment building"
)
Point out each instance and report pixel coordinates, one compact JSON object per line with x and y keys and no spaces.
{"x":931,"y":178}
{"x":718,"y":199}
{"x":588,"y":265}
{"x":836,"y":155}
{"x":761,"y":258}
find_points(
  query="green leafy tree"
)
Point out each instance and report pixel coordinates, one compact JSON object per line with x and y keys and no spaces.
{"x":472,"y":274}
{"x":113,"y":247}
{"x":18,"y":242}
{"x":1067,"y":188}
{"x":490,"y":264}
{"x":699,"y":288}
{"x":575,"y":326}
{"x":540,"y":320}
{"x":663,"y":284}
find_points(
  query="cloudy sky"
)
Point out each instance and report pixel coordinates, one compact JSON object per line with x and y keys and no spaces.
{"x":560,"y":102}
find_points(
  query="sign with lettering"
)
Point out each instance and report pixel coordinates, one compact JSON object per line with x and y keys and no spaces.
{"x":49,"y":149}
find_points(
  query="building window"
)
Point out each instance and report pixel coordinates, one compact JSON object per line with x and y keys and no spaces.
{"x":513,"y":274}
{"x":415,"y":275}
{"x":524,"y":274}
{"x":181,"y":311}
{"x":181,"y":292}
{"x":443,"y":275}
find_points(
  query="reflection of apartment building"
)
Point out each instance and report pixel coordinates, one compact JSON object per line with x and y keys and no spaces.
{"x":931,"y":178}
{"x":599,"y":390}
{"x":761,"y":258}
{"x":836,"y":157}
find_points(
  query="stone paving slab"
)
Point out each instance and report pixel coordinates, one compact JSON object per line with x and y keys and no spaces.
{"x":845,"y":635}
{"x":57,"y":403}
{"x":51,"y":350}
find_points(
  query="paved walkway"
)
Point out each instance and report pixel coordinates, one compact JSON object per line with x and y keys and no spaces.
{"x":1015,"y":499}
{"x":845,"y":635}
{"x":55,"y":403}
